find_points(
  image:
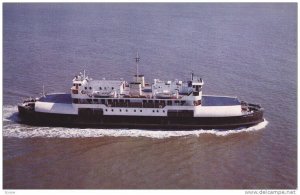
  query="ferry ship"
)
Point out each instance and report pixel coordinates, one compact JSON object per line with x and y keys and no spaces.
{"x":165,"y":105}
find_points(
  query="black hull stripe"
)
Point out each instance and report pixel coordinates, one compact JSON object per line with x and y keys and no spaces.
{"x":144,"y":122}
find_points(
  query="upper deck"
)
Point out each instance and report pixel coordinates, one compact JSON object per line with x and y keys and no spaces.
{"x":64,"y":98}
{"x":210,"y":100}
{"x":85,"y":87}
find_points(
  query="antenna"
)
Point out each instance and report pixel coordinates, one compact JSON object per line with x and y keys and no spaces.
{"x":43,"y":93}
{"x":83,"y":74}
{"x":137,"y":59}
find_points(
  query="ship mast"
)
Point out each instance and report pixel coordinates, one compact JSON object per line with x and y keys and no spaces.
{"x":137,"y":59}
{"x":43,"y":92}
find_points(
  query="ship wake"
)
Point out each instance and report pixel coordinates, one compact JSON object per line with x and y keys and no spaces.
{"x":11,"y":128}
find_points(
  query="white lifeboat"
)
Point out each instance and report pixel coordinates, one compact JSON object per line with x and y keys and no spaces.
{"x":103,"y":94}
{"x":167,"y":95}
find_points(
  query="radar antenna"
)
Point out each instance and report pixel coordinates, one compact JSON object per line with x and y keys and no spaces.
{"x":137,"y":59}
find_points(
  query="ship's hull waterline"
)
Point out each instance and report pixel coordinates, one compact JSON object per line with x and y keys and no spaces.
{"x":90,"y":120}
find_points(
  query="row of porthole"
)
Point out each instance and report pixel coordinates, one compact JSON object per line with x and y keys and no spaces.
{"x":99,"y":88}
{"x":135,"y":110}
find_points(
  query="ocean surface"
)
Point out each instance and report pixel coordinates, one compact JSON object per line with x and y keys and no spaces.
{"x":239,"y":49}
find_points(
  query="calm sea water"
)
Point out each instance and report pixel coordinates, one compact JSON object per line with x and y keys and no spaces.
{"x":245,"y":50}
